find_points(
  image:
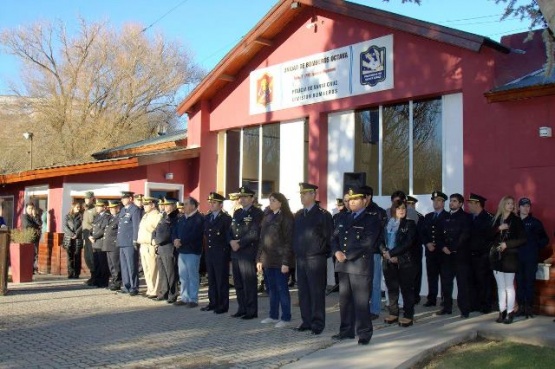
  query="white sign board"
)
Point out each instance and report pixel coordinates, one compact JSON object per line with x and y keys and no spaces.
{"x":352,"y":70}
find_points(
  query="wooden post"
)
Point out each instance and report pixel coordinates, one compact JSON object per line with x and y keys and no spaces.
{"x":4,"y":247}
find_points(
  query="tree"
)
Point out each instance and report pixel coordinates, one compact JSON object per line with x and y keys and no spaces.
{"x":99,"y":88}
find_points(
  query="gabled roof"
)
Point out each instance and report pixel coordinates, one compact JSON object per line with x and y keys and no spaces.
{"x":162,"y":142}
{"x":534,"y":84}
{"x":285,"y":11}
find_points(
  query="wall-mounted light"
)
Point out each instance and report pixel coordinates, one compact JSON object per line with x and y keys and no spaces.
{"x":169,"y":176}
{"x":295,"y":5}
{"x":545,"y":132}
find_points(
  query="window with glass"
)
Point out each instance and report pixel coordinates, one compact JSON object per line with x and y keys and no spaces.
{"x":405,"y":141}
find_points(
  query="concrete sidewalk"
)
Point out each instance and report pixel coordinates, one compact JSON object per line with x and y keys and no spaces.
{"x":396,"y":347}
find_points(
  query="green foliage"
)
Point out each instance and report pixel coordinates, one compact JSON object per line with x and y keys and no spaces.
{"x":23,"y":235}
{"x":492,"y":354}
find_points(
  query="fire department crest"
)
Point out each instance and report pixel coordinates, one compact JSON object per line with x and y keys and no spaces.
{"x":265,"y":89}
{"x":372,"y":66}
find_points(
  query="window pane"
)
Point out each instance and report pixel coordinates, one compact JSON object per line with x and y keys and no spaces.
{"x":367,"y":137}
{"x":233,"y":149}
{"x":427,"y":148}
{"x":251,"y":152}
{"x":270,"y":159}
{"x":395,"y":149}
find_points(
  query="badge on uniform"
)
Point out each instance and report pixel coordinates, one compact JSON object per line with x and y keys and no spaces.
{"x":247,"y":219}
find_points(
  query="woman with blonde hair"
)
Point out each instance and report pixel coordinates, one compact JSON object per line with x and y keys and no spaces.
{"x":509,"y":234}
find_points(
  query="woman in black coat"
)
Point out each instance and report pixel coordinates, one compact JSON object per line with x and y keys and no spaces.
{"x":509,"y":234}
{"x":399,"y":268}
{"x":275,"y":256}
{"x":73,"y":240}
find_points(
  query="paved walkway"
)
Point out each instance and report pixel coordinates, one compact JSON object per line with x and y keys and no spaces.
{"x":59,"y":323}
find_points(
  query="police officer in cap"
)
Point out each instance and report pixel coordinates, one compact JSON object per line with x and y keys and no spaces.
{"x":311,"y":244}
{"x":244,"y":238}
{"x":110,"y":247}
{"x":431,"y":235}
{"x":481,"y":276}
{"x":101,"y":275}
{"x":128,"y":231}
{"x":217,"y":225}
{"x":354,"y":243}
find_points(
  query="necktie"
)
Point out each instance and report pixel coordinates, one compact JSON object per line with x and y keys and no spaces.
{"x":305,"y":212}
{"x":435,"y":215}
{"x":354,"y":216}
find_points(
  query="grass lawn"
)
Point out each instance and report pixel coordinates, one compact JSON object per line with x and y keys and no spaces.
{"x":492,"y":354}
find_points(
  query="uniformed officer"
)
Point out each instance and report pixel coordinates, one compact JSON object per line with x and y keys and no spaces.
{"x":101,"y":274}
{"x":311,"y":244}
{"x":354,"y":242}
{"x":417,"y":251}
{"x":455,"y":257}
{"x":88,"y":217}
{"x":109,"y":245}
{"x":244,"y":238}
{"x":128,"y":230}
{"x":480,"y":276}
{"x":217,"y":225}
{"x":431,"y":235}
{"x":149,"y":221}
{"x":162,"y":238}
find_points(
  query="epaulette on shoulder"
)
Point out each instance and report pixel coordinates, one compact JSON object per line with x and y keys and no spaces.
{"x":419,"y":214}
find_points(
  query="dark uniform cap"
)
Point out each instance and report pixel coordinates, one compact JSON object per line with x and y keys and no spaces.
{"x":214,"y":196}
{"x":168,"y":201}
{"x":412,"y":200}
{"x":113,"y":203}
{"x":524,"y":201}
{"x":475,"y":197}
{"x":149,"y":200}
{"x":244,"y":191}
{"x":139,"y":196}
{"x":366,"y":190}
{"x":439,"y":194}
{"x":127,"y":194}
{"x":100,"y":203}
{"x":305,"y":187}
{"x":339,"y":202}
{"x":89,"y":195}
{"x":356,"y":193}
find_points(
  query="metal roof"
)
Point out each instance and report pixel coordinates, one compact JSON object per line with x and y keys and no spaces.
{"x":168,"y":137}
{"x":535,"y":79}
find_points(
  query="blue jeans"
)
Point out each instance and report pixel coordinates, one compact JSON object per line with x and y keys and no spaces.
{"x":278,"y":291}
{"x":188,"y":265}
{"x":376,"y":297}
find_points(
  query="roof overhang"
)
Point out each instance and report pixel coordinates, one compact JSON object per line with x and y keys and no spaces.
{"x":101,"y":165}
{"x":520,"y":93}
{"x":285,"y":11}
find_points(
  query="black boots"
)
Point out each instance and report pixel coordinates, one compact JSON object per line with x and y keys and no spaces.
{"x":528,"y":311}
{"x":502,"y":316}
{"x":509,"y":318}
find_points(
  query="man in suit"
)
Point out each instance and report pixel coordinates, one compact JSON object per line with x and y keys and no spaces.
{"x":217,"y":225}
{"x":417,"y":250}
{"x":109,"y":245}
{"x":354,"y":243}
{"x":431,"y":235}
{"x":128,"y":231}
{"x":311,"y":245}
{"x":88,"y":217}
{"x":244,"y":239}
{"x":101,"y":273}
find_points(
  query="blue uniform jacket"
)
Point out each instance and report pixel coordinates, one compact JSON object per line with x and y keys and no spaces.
{"x":536,"y":239}
{"x":312,"y":232}
{"x":128,"y":227}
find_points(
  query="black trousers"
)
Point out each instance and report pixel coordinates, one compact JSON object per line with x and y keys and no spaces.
{"x":433,"y":268}
{"x":101,"y":273}
{"x":354,"y":297}
{"x":217,"y":267}
{"x":311,"y":281}
{"x":73,"y":260}
{"x":168,"y":276}
{"x":400,"y":278}
{"x":453,"y":267}
{"x":525,"y":280}
{"x":114,"y":267}
{"x":244,"y":279}
{"x":480,"y":283}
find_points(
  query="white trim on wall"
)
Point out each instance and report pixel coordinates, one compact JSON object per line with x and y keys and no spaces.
{"x":166,"y":186}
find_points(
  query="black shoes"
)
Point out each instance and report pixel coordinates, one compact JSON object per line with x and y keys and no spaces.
{"x":509,"y":318}
{"x":501,"y":317}
{"x":133,"y":293}
{"x":249,"y":316}
{"x":374,"y":316}
{"x":192,"y":304}
{"x":341,"y":337}
{"x":363,"y":341}
{"x":219,"y":311}
{"x":429,"y":303}
{"x":301,"y":328}
{"x":206,"y":308}
{"x":238,"y":315}
{"x":180,"y":303}
{"x":444,"y":312}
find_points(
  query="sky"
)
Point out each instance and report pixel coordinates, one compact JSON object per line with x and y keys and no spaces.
{"x":210,"y":28}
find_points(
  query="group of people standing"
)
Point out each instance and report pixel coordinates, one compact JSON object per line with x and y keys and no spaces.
{"x":364,"y":240}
